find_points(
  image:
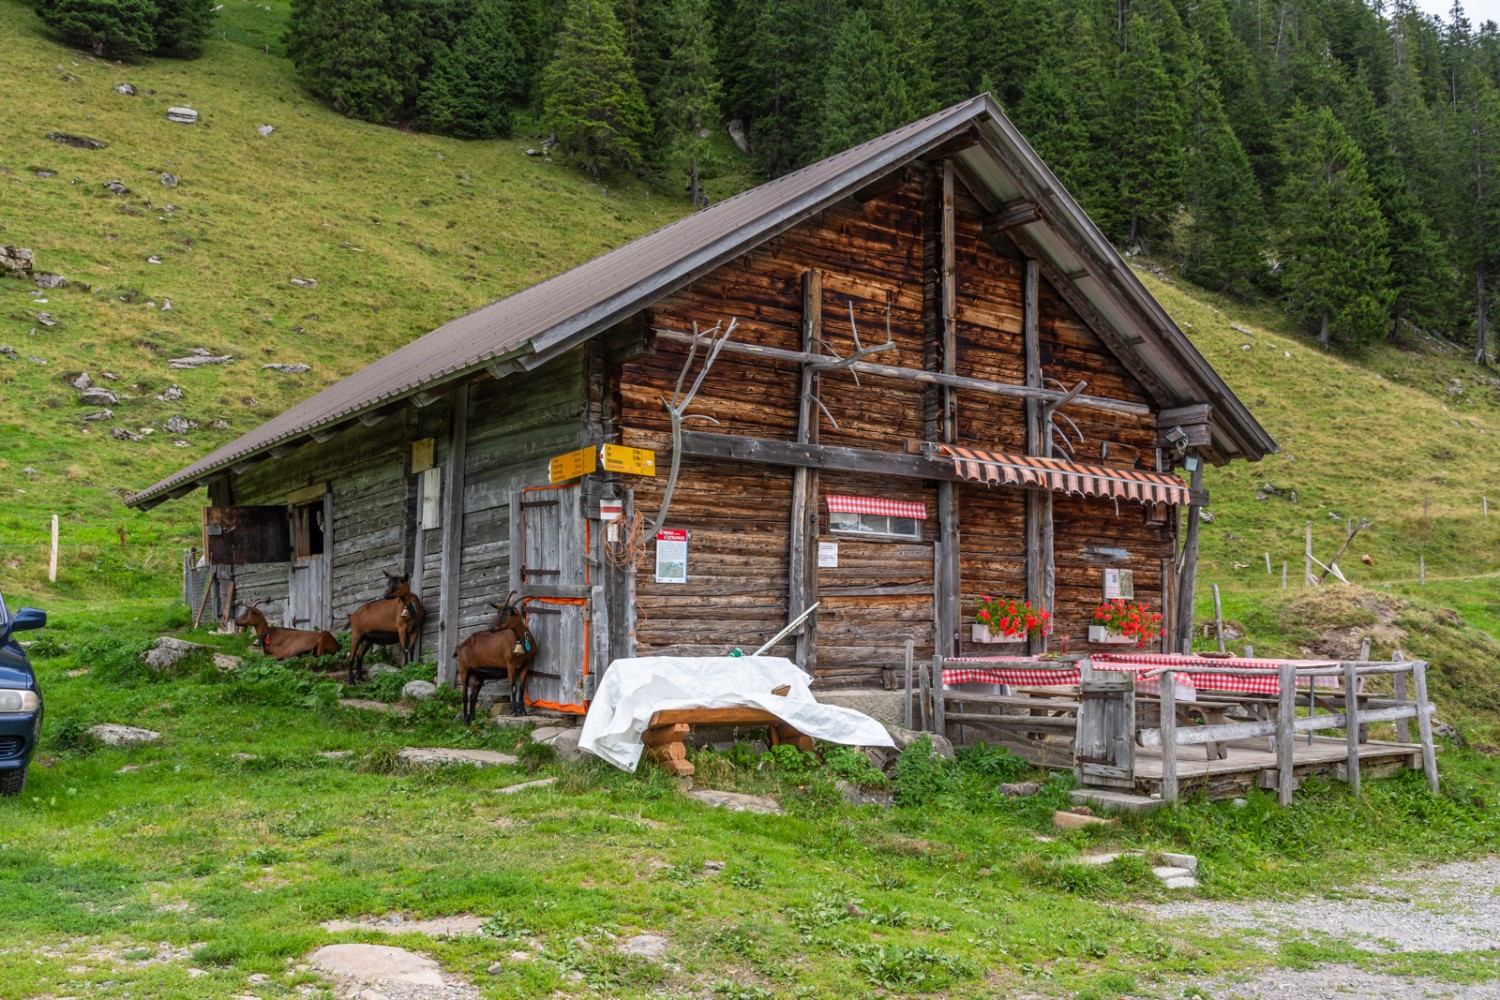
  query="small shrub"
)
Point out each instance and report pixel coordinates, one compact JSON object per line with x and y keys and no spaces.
{"x":991,"y":762}
{"x":506,"y":925}
{"x":854,"y":767}
{"x":789,"y":760}
{"x":535,"y":756}
{"x":897,"y":968}
{"x":711,"y":769}
{"x":73,"y":734}
{"x":923,"y":775}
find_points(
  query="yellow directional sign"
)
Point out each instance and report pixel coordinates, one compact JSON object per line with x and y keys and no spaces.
{"x":572,"y":465}
{"x":634,"y":461}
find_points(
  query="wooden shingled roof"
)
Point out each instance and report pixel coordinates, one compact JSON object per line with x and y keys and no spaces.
{"x":527,"y":329}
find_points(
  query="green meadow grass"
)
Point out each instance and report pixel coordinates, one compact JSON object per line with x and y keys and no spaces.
{"x":231,"y":863}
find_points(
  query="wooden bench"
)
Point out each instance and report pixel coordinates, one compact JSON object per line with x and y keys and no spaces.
{"x":668,"y":728}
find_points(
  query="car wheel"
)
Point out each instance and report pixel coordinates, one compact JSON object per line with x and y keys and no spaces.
{"x":11,"y":782}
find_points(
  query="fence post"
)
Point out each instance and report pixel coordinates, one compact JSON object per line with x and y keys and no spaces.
{"x":939,"y":710}
{"x":1283,"y":574}
{"x":52,"y":564}
{"x":1168,"y":687}
{"x":1307,"y":557}
{"x":909,"y":645}
{"x":1218,"y":619}
{"x":1403,"y":726}
{"x":1424,"y":723}
{"x":1286,"y":713}
{"x":922,"y":700}
{"x":1351,"y":722}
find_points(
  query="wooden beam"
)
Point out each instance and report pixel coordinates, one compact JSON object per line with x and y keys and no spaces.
{"x":1038,"y":528}
{"x":1187,"y":573}
{"x":1017,"y":213}
{"x":453,"y":534}
{"x":945,"y":641}
{"x":802,"y":569}
{"x":918,"y":375}
{"x":703,"y":444}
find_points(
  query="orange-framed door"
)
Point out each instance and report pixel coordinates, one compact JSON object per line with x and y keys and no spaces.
{"x":550,"y":540}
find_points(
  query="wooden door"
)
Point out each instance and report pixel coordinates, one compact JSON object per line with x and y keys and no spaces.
{"x":1104,"y":748}
{"x":549,"y":542}
{"x":309,"y":591}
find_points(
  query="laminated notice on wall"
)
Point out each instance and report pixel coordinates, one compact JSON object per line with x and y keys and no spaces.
{"x":828,"y":554}
{"x":671,"y":556}
{"x":1119,"y":584}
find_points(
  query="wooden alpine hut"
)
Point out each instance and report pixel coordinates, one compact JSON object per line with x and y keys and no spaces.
{"x":899,"y":378}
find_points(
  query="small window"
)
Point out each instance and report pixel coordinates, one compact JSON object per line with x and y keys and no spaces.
{"x":307,"y":530}
{"x":845,"y":522}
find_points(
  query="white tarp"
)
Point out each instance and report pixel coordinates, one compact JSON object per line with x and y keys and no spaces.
{"x":632,"y":690}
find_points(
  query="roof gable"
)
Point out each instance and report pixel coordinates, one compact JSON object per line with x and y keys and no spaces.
{"x":535,"y":324}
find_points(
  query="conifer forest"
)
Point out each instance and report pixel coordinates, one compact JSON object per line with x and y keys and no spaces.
{"x":1337,"y":155}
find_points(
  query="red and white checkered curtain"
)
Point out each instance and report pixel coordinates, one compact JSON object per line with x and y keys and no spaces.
{"x":1062,"y":476}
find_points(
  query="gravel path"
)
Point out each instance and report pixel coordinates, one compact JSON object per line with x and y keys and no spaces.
{"x":1449,"y":909}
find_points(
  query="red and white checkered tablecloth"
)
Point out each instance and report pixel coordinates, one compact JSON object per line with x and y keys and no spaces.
{"x":1008,"y":670}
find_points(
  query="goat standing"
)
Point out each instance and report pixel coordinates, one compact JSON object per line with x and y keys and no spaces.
{"x":285,"y":643}
{"x":506,"y":649}
{"x":394,"y":620}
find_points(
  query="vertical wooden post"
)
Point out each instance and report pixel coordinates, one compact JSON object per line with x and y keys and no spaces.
{"x":1218,"y":619}
{"x":1168,"y":686}
{"x":906,"y":702}
{"x":1187,"y":573}
{"x":1424,"y":723}
{"x":1486,"y":502}
{"x":1422,"y":569}
{"x":939,"y":710}
{"x":1307,"y":574}
{"x":802,"y":566}
{"x":945,"y":642}
{"x":1351,"y":723}
{"x":923,"y":701}
{"x":1268,"y":564}
{"x":451,"y":578}
{"x":1403,"y":726}
{"x":1283,"y":574}
{"x":1364,"y":657}
{"x":1286,"y":714}
{"x":52,"y":563}
{"x":1040,"y":568}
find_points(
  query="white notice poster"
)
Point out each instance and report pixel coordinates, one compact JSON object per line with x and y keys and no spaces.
{"x":1119,"y":584}
{"x":828,"y":554}
{"x":671,"y":556}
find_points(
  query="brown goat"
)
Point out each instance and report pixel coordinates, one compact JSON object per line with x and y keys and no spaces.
{"x":394,"y":620}
{"x":505,"y":650}
{"x":285,"y":643}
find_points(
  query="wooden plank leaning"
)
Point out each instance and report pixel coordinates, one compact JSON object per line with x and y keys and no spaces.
{"x":1168,"y":683}
{"x":1351,"y":723}
{"x":922,"y":699}
{"x":1286,"y":713}
{"x":1424,"y":723}
{"x":906,"y":702}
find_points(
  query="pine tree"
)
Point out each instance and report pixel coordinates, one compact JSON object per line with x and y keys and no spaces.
{"x":1148,"y":143}
{"x":590,"y":97}
{"x":1334,"y":239}
{"x":181,"y":26}
{"x":1227,"y":228}
{"x":955,"y":62}
{"x":906,"y":26}
{"x":864,"y":95}
{"x":116,"y":28}
{"x":347,"y":51}
{"x":1479,"y":157}
{"x":688,"y":93}
{"x":473,"y":85}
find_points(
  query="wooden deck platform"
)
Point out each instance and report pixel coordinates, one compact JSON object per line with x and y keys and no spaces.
{"x":1247,"y":764}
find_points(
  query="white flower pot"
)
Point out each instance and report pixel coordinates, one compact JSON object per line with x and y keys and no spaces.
{"x":982,"y":633}
{"x":1098,"y":633}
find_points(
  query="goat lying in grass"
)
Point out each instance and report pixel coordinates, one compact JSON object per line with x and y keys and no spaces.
{"x":394,"y":620}
{"x":285,"y":643}
{"x":505,"y":650}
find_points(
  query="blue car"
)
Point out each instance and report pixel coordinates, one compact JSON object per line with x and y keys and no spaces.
{"x":20,"y":699}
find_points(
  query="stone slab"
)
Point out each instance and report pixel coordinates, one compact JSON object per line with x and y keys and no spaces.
{"x":1188,"y":861}
{"x":523,"y":786}
{"x":1103,"y":798}
{"x":113,"y":735}
{"x":438,"y":756}
{"x":1077,"y":821}
{"x":1182,"y":882}
{"x":377,"y":963}
{"x":1168,"y":872}
{"x":736,"y":801}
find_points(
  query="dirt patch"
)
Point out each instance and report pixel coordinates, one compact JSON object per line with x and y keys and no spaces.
{"x":455,"y":926}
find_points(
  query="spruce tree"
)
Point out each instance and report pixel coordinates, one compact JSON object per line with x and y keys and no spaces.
{"x":473,"y":85}
{"x":590,"y":97}
{"x":906,"y":26}
{"x":687,"y":95}
{"x":1334,"y":240}
{"x":115,"y":28}
{"x":181,"y":27}
{"x":348,"y":52}
{"x":1148,"y":142}
{"x":864,"y":94}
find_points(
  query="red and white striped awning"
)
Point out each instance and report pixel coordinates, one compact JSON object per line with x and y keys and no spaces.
{"x":873,"y":505}
{"x":1063,"y":476}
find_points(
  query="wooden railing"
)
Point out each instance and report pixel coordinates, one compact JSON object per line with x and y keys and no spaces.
{"x":1287,"y":723}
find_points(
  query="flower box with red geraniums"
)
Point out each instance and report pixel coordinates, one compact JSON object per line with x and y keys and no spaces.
{"x":1116,"y":621}
{"x":998,"y":620}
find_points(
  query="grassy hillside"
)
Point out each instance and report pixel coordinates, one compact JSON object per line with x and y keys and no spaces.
{"x":401,"y":232}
